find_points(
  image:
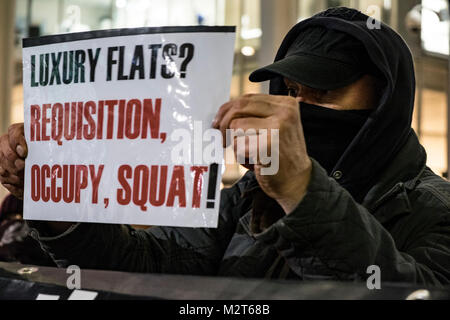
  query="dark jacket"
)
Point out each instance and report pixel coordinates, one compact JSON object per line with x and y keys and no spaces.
{"x":383,"y":207}
{"x":15,"y":243}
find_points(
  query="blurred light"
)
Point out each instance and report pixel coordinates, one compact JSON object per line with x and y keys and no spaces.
{"x":121,"y":3}
{"x":248,"y":51}
{"x":248,"y":34}
{"x":245,"y":20}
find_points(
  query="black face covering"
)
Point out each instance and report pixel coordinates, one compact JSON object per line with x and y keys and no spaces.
{"x":329,"y":132}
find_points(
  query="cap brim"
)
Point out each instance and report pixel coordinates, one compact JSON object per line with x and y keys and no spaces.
{"x":312,"y":71}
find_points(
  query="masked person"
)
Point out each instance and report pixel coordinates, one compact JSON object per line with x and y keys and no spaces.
{"x":352,"y":190}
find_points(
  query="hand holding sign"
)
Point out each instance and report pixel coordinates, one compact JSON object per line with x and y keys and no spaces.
{"x":13,"y":150}
{"x":281,"y":113}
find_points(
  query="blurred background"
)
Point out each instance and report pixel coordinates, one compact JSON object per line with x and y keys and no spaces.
{"x":261,"y":25}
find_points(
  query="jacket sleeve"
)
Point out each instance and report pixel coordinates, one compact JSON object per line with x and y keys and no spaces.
{"x":330,"y":234}
{"x":156,"y":249}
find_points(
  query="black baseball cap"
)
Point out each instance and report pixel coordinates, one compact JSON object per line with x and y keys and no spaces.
{"x":320,"y":58}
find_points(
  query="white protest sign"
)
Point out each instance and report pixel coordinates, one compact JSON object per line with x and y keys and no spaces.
{"x":118,"y":122}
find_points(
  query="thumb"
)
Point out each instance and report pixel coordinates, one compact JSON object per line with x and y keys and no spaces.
{"x":17,"y":140}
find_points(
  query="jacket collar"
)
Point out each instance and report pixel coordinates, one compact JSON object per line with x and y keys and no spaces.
{"x":401,"y":176}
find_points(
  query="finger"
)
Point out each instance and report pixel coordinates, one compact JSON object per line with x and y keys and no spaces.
{"x":253,"y":146}
{"x":19,"y":164}
{"x":261,"y":105}
{"x":3,"y":172}
{"x":242,"y":103}
{"x":245,"y":109}
{"x":17,"y":139}
{"x":248,"y":126}
{"x":276,"y":101}
{"x":263,"y":96}
{"x":249,"y":150}
{"x":252,"y":123}
{"x":7,"y":156}
{"x":222,"y":110}
{"x":15,"y":191}
{"x":246,"y":149}
{"x":11,"y":179}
